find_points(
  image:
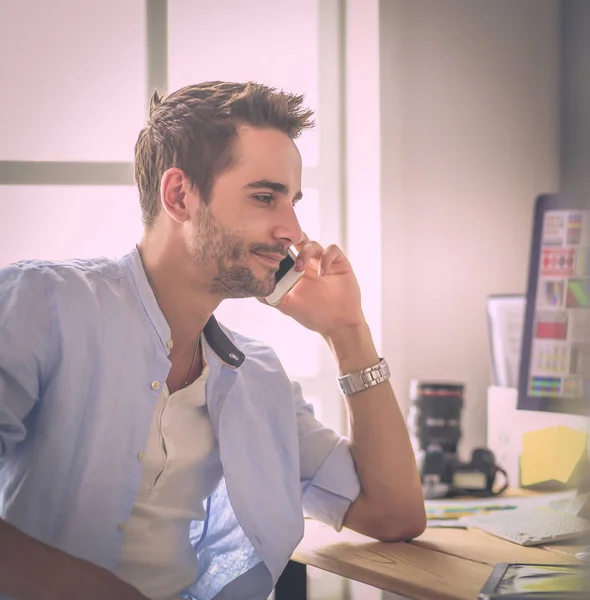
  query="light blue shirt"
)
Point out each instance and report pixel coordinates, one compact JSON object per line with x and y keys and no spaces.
{"x":82,"y":345}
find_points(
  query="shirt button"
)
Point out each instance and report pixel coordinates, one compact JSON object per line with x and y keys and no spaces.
{"x":170,"y":344}
{"x":155,"y":385}
{"x":121,"y":526}
{"x":140,"y":455}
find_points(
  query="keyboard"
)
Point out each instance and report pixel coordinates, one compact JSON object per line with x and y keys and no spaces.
{"x":530,"y":526}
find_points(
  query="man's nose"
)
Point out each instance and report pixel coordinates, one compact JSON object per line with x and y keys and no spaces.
{"x":288,"y":228}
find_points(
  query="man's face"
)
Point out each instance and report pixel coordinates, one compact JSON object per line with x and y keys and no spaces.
{"x":245,"y":230}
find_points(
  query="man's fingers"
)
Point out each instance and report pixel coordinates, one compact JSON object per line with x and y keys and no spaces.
{"x":308,"y":251}
{"x":301,"y":244}
{"x":314,"y":251}
{"x":331,"y":253}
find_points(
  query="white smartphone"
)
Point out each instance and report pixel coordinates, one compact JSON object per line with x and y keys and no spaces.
{"x":286,"y":277}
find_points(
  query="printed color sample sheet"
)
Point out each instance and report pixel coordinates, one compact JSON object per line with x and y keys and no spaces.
{"x":560,"y":352}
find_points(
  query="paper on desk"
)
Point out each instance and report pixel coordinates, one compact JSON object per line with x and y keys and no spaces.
{"x":455,"y":509}
{"x":448,"y":523}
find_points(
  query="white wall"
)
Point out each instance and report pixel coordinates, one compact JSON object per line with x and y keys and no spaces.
{"x":470,"y":135}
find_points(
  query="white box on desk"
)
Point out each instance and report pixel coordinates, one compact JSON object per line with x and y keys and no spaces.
{"x":506,"y":425}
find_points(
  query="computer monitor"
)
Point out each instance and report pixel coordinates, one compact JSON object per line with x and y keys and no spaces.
{"x":554,"y":370}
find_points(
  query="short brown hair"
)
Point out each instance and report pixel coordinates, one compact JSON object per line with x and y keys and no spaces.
{"x":195,"y":127}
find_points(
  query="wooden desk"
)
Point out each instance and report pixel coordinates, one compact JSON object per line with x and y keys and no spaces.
{"x":441,"y":564}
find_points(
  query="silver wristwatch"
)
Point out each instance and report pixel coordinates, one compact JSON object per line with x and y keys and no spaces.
{"x":352,"y":383}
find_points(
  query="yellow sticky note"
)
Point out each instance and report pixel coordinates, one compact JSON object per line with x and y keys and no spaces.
{"x":551,"y":454}
{"x":571,"y":445}
{"x":536,"y":460}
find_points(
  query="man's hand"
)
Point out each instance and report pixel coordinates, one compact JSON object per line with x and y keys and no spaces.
{"x":328,"y":297}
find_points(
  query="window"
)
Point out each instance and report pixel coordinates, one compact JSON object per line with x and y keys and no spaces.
{"x":77,"y":90}
{"x":78,"y":97}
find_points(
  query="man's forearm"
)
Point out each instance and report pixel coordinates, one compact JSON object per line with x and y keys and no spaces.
{"x":20,"y":556}
{"x":391,"y":489}
{"x":31,"y":570}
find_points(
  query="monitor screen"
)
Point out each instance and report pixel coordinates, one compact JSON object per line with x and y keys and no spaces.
{"x":555,"y":361}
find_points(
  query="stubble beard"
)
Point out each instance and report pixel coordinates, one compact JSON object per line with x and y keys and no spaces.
{"x":213,"y":244}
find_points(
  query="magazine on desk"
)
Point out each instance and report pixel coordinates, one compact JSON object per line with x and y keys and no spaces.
{"x":517,"y":581}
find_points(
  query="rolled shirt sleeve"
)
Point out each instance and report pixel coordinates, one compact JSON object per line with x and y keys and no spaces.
{"x":329,"y":481}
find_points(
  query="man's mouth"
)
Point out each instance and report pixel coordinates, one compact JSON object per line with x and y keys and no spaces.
{"x":272,"y":260}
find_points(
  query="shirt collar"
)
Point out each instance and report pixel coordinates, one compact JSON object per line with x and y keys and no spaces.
{"x":217,"y":339}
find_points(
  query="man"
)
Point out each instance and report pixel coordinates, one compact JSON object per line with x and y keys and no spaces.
{"x":147,"y":452}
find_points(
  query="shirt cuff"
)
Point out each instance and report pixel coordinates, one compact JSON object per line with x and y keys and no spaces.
{"x":333,"y":488}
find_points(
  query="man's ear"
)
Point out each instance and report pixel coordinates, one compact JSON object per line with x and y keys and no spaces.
{"x":174,"y":188}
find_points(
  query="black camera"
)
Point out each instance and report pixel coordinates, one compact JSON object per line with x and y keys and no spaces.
{"x":435,"y":431}
{"x":443,"y":474}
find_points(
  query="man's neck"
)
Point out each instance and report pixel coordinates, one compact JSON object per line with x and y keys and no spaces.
{"x":185,"y":301}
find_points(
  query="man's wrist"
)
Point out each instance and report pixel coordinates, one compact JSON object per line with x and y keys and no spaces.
{"x":353,"y":348}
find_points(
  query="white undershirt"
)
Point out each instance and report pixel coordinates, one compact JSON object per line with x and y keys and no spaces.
{"x":181,"y":469}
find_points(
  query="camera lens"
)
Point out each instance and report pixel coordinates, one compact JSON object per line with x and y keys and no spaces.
{"x":435,"y":415}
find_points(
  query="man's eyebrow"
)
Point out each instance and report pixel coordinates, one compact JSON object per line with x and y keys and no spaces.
{"x":275,"y":186}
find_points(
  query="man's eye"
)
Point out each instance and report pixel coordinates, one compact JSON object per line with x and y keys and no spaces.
{"x":264,"y":198}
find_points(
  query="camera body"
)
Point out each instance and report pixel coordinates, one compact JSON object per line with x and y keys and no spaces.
{"x":443,"y":474}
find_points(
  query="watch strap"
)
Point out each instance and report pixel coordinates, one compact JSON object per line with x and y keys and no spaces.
{"x":355,"y":382}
